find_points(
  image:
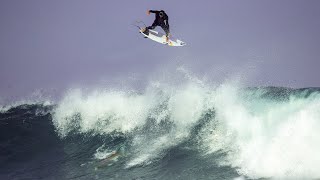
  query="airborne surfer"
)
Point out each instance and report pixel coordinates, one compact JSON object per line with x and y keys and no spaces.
{"x":161,"y":20}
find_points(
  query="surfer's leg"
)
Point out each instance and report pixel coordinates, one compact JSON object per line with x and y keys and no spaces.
{"x":166,"y":29}
{"x":154,"y":25}
{"x":146,"y":30}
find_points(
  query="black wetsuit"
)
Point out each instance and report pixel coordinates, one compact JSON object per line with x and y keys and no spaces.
{"x":163,"y":21}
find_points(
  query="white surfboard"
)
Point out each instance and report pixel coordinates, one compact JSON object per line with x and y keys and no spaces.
{"x":161,"y":38}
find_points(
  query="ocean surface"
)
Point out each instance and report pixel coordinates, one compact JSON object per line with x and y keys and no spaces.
{"x":185,"y":132}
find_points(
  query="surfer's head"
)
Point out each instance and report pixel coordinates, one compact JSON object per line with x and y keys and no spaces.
{"x":161,"y":13}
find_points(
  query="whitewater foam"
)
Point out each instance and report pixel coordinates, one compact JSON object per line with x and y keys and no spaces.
{"x":101,"y":112}
{"x":259,"y":135}
{"x":267,"y":138}
{"x":104,"y":112}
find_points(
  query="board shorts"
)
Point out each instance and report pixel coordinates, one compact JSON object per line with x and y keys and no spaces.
{"x":163,"y":26}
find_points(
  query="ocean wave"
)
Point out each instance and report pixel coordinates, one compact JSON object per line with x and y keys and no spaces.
{"x":266,"y":132}
{"x":261,"y":132}
{"x":273,"y":136}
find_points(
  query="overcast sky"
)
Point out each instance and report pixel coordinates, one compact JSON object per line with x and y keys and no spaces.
{"x":46,"y":44}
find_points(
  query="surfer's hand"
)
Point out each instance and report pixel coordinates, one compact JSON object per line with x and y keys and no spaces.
{"x":148,"y":12}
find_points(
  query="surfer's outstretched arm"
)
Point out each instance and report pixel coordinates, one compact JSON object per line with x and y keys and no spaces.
{"x":154,"y":11}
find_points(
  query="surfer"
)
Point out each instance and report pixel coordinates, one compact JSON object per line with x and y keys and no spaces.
{"x":161,"y":20}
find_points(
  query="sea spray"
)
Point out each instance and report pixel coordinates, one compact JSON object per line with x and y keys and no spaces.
{"x":260,"y":132}
{"x":267,"y":137}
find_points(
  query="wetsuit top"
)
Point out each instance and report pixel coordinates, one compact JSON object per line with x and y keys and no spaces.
{"x":161,"y":20}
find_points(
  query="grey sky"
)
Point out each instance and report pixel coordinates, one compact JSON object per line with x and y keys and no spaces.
{"x":47,"y":44}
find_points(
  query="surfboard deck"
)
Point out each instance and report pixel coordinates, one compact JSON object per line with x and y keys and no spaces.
{"x":160,"y":37}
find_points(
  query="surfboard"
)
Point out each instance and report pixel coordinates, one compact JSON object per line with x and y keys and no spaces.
{"x":160,"y":37}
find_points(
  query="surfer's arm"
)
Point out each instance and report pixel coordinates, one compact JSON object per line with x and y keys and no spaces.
{"x":153,"y":11}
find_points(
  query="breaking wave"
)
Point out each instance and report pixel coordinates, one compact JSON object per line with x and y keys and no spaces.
{"x":183,"y":129}
{"x":260,"y":132}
